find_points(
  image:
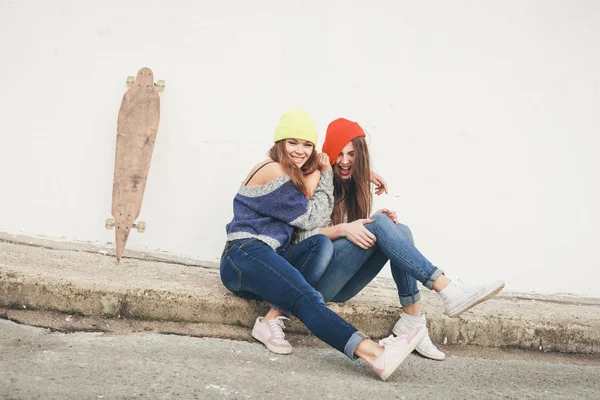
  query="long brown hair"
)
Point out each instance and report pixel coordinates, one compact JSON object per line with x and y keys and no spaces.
{"x":353,"y":196}
{"x":278,"y":154}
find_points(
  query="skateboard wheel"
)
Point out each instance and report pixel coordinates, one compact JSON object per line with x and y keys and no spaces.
{"x":110,"y":223}
{"x":130,"y":80}
{"x":141,"y":227}
{"x":160,"y":85}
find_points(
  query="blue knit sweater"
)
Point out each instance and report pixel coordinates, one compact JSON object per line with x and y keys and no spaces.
{"x":270,"y":212}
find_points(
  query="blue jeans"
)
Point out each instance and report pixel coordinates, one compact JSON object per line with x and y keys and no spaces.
{"x":352,"y":268}
{"x":311,"y":257}
{"x":251,"y":269}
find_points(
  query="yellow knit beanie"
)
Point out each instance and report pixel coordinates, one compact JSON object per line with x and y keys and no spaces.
{"x":296,"y":124}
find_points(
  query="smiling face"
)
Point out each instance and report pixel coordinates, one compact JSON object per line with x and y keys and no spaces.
{"x":345,"y":161}
{"x":299,"y":151}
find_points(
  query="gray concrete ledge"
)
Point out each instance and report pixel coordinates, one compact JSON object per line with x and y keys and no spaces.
{"x":83,"y":279}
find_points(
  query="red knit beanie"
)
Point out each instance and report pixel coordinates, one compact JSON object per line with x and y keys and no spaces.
{"x":339,"y":133}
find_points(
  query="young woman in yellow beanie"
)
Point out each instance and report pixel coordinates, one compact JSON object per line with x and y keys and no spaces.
{"x":364,"y":243}
{"x":258,"y":264}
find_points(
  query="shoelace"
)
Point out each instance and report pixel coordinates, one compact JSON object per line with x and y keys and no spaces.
{"x":463,"y":287}
{"x":278,"y":325}
{"x":459,"y":285}
{"x":390,"y":339}
{"x":428,"y":344}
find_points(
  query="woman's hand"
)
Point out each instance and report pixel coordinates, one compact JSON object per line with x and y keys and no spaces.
{"x":379,"y":182}
{"x":391,"y":214}
{"x":359,"y":235}
{"x":324,"y":162}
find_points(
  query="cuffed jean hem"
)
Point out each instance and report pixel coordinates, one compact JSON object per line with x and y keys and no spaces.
{"x":352,"y":344}
{"x":409,"y":300}
{"x":436,"y":274}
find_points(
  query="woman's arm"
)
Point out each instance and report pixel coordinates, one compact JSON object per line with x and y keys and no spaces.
{"x":319,"y":207}
{"x":379,"y":182}
{"x":334,"y":232}
{"x":353,"y":231}
{"x":312,"y":181}
{"x":280,"y":199}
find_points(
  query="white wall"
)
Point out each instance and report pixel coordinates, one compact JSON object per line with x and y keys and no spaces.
{"x":483,"y":115}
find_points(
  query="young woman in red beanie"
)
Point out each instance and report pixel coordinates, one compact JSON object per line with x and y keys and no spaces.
{"x":363,"y":243}
{"x":258,"y":264}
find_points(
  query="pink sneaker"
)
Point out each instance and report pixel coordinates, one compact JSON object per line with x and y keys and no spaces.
{"x":270,"y":333}
{"x":395,"y":351}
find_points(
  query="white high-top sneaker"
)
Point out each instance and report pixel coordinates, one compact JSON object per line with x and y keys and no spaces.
{"x":407,"y":324}
{"x":458,"y":297}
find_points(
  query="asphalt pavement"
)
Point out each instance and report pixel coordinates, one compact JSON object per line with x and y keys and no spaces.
{"x":39,"y":363}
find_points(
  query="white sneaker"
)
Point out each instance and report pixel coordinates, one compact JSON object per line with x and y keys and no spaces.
{"x":270,"y":333}
{"x":426,"y":347}
{"x":458,"y":297}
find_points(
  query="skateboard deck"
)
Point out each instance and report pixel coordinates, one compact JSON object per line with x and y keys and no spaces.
{"x":137,"y":126}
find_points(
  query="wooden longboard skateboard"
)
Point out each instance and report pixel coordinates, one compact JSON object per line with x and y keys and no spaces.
{"x":137,"y":126}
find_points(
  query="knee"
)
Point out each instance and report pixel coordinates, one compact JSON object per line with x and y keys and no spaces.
{"x":381,"y":225}
{"x":306,"y":302}
{"x":323,"y":245}
{"x":407,"y":233}
{"x":316,"y":297}
{"x":380,"y":220}
{"x":383,"y":221}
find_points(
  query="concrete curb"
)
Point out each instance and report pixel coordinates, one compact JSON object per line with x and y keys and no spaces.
{"x":86,"y":281}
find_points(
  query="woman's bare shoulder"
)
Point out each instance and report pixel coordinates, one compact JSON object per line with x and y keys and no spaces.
{"x":264,"y":172}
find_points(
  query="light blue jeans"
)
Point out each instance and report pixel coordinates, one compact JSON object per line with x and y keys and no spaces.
{"x":352,"y":268}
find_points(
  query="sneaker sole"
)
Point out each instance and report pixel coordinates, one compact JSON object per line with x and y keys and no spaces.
{"x":411,"y":347}
{"x":491,"y":292}
{"x":274,"y":349}
{"x":429,"y":355}
{"x":423,"y":353}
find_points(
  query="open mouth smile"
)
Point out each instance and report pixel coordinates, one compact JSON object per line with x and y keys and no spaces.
{"x":345,"y":170}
